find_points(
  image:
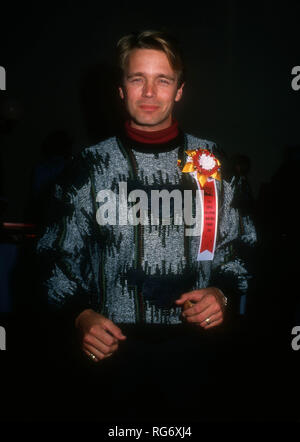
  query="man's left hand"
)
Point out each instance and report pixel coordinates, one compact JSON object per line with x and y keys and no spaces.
{"x":207,"y":308}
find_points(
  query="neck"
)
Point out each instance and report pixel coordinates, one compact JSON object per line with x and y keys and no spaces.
{"x":152,"y":137}
{"x":158,"y":127}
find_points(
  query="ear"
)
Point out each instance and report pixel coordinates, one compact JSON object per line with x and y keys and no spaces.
{"x":121,"y":92}
{"x":179,"y":93}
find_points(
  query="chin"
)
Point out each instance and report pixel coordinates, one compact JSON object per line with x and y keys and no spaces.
{"x":151,"y":122}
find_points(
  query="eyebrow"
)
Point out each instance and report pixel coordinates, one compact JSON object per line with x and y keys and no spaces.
{"x":141,"y":74}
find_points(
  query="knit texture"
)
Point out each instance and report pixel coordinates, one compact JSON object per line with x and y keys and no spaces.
{"x":133,"y":274}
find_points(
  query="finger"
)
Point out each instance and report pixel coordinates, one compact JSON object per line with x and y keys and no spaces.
{"x":101,"y":334}
{"x":197,"y":308}
{"x":195,"y":317}
{"x":201,"y":307}
{"x":203,"y":314}
{"x":100,"y":345}
{"x":194,"y":295}
{"x":211,"y":320}
{"x":90,"y":349}
{"x":213,"y":323}
{"x":112,"y":328}
{"x":208,"y":300}
{"x":188,"y":304}
{"x":91,"y":355}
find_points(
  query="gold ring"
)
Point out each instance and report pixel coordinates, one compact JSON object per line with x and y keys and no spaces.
{"x":207,"y":320}
{"x":92,"y":356}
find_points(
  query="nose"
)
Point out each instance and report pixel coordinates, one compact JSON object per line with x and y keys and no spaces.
{"x":149,"y":89}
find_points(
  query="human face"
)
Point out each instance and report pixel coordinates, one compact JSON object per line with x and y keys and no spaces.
{"x":150,"y":89}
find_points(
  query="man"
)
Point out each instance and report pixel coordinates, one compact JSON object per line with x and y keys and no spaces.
{"x":111,"y":264}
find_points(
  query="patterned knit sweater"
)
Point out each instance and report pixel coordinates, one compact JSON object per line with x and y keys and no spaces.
{"x":133,"y":274}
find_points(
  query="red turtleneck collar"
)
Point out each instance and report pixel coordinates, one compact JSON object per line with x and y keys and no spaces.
{"x":156,"y":137}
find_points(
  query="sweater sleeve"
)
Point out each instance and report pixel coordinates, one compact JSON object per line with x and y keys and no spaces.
{"x":232,"y":267}
{"x":66,"y":272}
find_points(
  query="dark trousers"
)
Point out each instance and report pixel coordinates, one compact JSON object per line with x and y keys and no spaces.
{"x":158,"y":373}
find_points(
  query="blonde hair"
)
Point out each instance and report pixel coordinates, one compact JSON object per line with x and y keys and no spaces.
{"x":151,"y":39}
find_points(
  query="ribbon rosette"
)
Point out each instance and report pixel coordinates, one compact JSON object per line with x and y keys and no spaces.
{"x":204,"y":167}
{"x":204,"y":163}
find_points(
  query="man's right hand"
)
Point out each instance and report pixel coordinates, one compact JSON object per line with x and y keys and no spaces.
{"x":98,"y":335}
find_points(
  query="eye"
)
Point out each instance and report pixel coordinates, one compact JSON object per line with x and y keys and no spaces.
{"x":135,"y":80}
{"x":164,"y":81}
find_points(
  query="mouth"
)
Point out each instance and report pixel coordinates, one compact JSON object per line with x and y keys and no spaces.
{"x":148,"y":107}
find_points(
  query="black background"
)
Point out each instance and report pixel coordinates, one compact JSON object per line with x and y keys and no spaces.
{"x":58,"y":60}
